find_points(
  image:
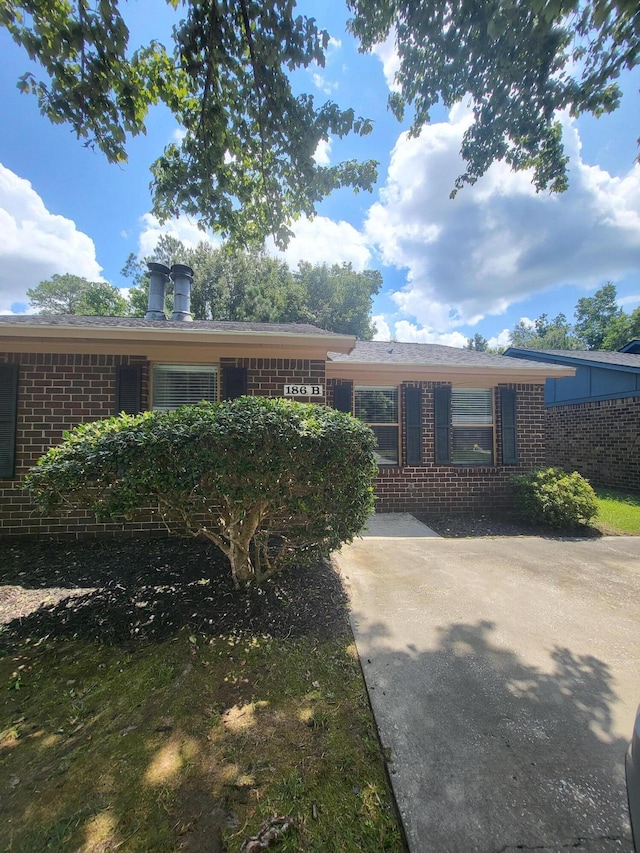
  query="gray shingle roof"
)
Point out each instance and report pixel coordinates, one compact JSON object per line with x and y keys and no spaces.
{"x":385,"y":352}
{"x":141,"y":323}
{"x":604,"y":357}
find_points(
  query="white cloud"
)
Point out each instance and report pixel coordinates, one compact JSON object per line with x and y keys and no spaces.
{"x":323,"y":152}
{"x":411,"y":333}
{"x":383,"y":332}
{"x":321,"y":240}
{"x":183,"y":229}
{"x":630,"y":301}
{"x":502,"y":339}
{"x":326,"y":86}
{"x":497,"y":242}
{"x":388,"y":56}
{"x":36,"y":243}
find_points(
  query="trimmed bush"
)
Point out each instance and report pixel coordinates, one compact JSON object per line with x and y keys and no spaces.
{"x":270,"y":481}
{"x":553,"y":497}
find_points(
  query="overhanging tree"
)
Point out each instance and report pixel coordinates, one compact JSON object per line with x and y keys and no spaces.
{"x":245,"y":166}
{"x":271,"y":482}
{"x":517,"y":62}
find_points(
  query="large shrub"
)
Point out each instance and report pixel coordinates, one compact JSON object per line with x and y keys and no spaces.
{"x":270,"y":481}
{"x":552,"y":496}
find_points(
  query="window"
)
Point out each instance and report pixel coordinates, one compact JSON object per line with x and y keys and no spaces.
{"x":182,"y":384}
{"x":378,"y":407}
{"x":472,"y":422}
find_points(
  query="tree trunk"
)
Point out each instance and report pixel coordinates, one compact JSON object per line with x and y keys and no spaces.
{"x":242,"y":569}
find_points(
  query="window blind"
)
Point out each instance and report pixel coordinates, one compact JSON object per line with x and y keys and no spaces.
{"x":183,"y":384}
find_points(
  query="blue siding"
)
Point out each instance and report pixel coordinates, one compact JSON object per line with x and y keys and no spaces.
{"x":591,"y":383}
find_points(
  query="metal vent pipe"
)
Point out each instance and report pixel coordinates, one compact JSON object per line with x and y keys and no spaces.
{"x":182,"y":276}
{"x":158,"y":280}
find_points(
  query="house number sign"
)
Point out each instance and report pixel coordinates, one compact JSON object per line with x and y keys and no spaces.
{"x":304,"y":389}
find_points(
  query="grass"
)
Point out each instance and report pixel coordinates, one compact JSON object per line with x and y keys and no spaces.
{"x":191,"y":744}
{"x":618,"y":513}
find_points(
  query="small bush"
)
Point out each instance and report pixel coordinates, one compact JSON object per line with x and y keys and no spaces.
{"x":553,"y":497}
{"x":271,"y":482}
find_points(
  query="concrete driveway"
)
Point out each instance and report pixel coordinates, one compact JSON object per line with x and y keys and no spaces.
{"x":504,"y":677}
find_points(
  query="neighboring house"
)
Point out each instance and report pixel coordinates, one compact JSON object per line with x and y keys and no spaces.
{"x":452,"y":425}
{"x":593,"y":418}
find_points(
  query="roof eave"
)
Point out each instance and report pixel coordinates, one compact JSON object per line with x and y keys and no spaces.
{"x":336,"y":343}
{"x":439,"y":372}
{"x":571,"y":360}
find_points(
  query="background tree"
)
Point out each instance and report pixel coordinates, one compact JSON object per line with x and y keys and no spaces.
{"x":228,"y":284}
{"x":594,"y":314}
{"x":245,"y":166}
{"x":600,"y":324}
{"x":71,"y":294}
{"x":622,"y":329}
{"x":545,"y":334}
{"x":477,"y":343}
{"x":337,"y":298}
{"x":249,"y":285}
{"x":518,"y":63}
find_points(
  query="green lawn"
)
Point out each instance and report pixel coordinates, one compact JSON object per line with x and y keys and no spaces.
{"x":192,"y":744}
{"x":618,"y":513}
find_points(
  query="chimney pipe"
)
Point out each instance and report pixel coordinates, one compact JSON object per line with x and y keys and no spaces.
{"x":158,"y":280}
{"x":182,"y":276}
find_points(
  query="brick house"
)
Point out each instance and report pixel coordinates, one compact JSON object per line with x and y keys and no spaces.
{"x":452,"y":425}
{"x":592,"y":419}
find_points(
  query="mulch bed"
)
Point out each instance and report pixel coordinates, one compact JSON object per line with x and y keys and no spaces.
{"x":137,"y":590}
{"x":458,"y":527}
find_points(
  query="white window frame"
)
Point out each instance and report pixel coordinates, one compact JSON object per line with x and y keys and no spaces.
{"x":380,"y":458}
{"x":167,"y":404}
{"x":474,"y":418}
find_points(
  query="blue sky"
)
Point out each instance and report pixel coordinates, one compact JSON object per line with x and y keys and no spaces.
{"x":480,"y":263}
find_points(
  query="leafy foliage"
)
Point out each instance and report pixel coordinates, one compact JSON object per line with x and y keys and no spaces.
{"x":518,"y":62}
{"x":245,"y":166}
{"x":71,"y":294}
{"x":478,"y":343}
{"x":622,"y":329}
{"x":249,"y":285}
{"x":553,"y":497}
{"x":600,"y":325}
{"x":545,"y":334}
{"x":594,"y":314}
{"x":271,"y":482}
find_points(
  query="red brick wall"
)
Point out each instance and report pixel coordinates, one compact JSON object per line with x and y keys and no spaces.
{"x":600,"y":440}
{"x":267,"y":377}
{"x":442,"y":490}
{"x":59,"y":391}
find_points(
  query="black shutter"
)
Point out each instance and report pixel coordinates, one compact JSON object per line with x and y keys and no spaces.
{"x":128,"y":390}
{"x":509,"y":433}
{"x":342,"y":395}
{"x":442,"y":400}
{"x":413,"y":421}
{"x":234,"y":382}
{"x":8,"y":417}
